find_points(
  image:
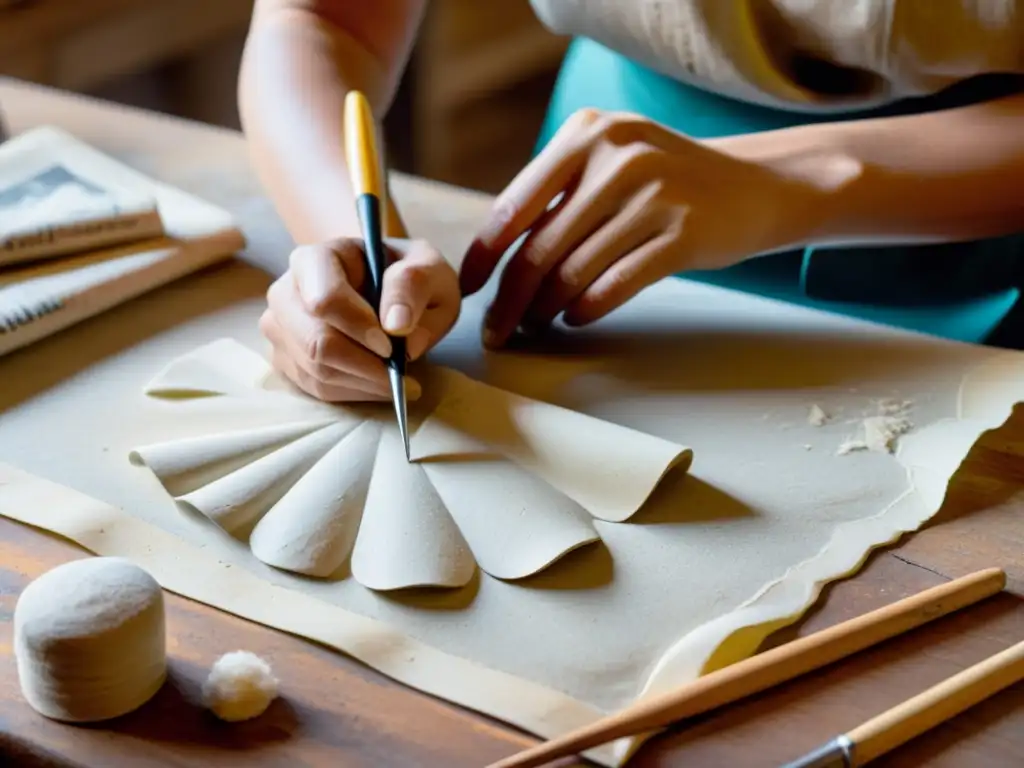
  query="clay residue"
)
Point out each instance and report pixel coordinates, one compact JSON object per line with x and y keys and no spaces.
{"x":817,"y":416}
{"x":851,"y":446}
{"x":881,"y":431}
{"x":893,"y":407}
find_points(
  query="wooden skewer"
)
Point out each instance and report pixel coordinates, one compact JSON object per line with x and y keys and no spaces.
{"x":913,"y":717}
{"x":767,"y":669}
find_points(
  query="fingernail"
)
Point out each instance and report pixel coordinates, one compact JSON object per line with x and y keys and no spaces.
{"x":398,"y":319}
{"x":378,"y":342}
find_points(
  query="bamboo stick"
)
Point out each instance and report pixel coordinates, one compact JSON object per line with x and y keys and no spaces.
{"x":767,"y":669}
{"x":938,"y":704}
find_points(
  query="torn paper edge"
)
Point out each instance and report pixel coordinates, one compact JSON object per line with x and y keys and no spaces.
{"x":105,"y":530}
{"x":987,"y":397}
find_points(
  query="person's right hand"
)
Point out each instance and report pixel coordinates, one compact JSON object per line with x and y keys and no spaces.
{"x":326,"y":337}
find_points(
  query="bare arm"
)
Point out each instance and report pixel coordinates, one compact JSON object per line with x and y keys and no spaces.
{"x":941,"y":176}
{"x":301,"y":58}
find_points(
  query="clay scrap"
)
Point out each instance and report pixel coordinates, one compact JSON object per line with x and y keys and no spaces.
{"x":89,"y":640}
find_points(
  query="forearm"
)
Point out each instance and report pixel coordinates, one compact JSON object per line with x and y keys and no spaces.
{"x":295,"y":73}
{"x":950,"y":175}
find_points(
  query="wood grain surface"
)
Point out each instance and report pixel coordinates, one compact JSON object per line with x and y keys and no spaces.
{"x":334,"y":712}
{"x":83,"y":45}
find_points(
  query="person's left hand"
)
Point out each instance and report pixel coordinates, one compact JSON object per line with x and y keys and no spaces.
{"x":638,"y":202}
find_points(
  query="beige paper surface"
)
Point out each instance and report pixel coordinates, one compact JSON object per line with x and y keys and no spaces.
{"x":498,"y":479}
{"x":746,"y":538}
{"x":189,"y":571}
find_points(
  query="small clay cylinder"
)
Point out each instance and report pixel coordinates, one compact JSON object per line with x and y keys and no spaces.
{"x":89,"y":640}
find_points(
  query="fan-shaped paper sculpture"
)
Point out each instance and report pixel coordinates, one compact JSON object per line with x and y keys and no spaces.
{"x":497,"y":480}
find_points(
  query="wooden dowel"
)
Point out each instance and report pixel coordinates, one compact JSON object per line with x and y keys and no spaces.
{"x":938,"y":704}
{"x":767,"y":669}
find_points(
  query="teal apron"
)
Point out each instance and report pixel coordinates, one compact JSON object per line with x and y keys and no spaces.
{"x":963,"y":291}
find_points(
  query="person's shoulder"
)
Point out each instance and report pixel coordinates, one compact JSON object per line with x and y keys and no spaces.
{"x":954,"y":40}
{"x":822,"y":54}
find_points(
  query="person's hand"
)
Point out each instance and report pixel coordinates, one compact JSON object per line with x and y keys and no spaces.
{"x":638,"y":202}
{"x":327,"y":339}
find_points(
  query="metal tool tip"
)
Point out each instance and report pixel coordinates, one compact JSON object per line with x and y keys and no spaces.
{"x":401,"y":409}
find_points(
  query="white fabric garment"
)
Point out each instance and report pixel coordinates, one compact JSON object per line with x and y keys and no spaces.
{"x":773,"y":52}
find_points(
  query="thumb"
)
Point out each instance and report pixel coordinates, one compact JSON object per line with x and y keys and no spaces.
{"x":406,"y":293}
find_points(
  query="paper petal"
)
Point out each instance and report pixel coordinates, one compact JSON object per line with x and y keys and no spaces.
{"x":312,"y":528}
{"x":407,"y":538}
{"x":245,"y":495}
{"x":608,"y":469}
{"x":498,"y":481}
{"x":185,"y":465}
{"x":219,"y":368}
{"x":515,"y":523}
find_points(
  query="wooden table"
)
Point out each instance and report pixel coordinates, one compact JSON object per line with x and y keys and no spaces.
{"x":336,"y":713}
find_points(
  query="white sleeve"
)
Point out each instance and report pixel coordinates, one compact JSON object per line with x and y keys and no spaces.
{"x":762,"y":50}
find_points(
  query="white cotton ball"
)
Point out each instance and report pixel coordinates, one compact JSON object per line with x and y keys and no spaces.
{"x":240,"y":686}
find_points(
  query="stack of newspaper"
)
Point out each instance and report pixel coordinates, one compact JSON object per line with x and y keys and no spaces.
{"x":81,"y":233}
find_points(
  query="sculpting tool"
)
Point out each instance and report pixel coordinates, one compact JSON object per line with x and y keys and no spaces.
{"x":760,"y":672}
{"x":913,"y":717}
{"x":367,"y":172}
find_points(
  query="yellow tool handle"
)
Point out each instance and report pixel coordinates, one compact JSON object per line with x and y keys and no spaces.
{"x":361,"y":152}
{"x":364,"y":160}
{"x":938,"y":704}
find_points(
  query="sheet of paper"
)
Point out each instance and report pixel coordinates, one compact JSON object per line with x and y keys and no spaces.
{"x":498,"y":480}
{"x":767,"y":514}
